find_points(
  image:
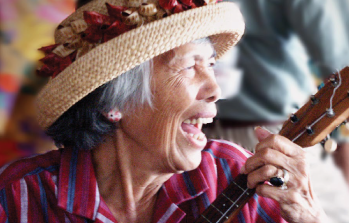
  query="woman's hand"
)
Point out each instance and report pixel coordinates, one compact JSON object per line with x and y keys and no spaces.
{"x":273,"y":154}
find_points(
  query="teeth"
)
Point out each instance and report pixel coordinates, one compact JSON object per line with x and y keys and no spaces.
{"x":198,"y":121}
{"x":199,"y":136}
{"x":187,"y":121}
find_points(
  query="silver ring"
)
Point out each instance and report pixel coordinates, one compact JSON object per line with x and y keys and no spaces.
{"x":281,"y":181}
{"x":285,"y":179}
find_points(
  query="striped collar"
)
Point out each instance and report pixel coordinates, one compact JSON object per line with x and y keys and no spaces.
{"x":186,"y":186}
{"x":78,"y":190}
{"x":178,"y":189}
{"x":77,"y":187}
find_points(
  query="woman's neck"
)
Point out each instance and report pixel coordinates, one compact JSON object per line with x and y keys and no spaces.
{"x":126,"y":183}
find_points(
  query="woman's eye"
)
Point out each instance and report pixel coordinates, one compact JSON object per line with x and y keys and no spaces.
{"x":189,"y":68}
{"x":211,"y":64}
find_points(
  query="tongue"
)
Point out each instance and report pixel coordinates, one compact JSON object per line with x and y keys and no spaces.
{"x":190,"y":128}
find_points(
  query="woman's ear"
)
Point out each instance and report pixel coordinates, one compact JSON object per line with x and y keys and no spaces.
{"x":113,"y":115}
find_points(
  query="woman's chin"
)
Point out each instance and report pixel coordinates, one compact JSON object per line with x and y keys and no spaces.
{"x":191,"y":161}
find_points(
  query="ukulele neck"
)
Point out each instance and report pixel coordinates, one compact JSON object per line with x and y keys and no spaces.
{"x":310,"y":125}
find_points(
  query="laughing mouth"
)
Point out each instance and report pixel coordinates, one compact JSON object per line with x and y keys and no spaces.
{"x":192,"y":127}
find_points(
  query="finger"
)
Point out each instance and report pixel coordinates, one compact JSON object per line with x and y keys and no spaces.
{"x":267,"y":156}
{"x":277,"y":193}
{"x":261,"y":133}
{"x":262,"y":174}
{"x":280,"y":144}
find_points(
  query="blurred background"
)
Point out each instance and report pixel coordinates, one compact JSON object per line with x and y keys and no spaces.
{"x":25,"y":26}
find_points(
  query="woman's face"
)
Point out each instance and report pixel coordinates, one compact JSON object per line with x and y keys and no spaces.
{"x":184,"y":93}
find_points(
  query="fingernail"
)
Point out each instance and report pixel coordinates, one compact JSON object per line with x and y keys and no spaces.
{"x":261,"y":133}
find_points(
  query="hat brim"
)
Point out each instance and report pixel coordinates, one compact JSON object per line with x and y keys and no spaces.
{"x":222,"y":23}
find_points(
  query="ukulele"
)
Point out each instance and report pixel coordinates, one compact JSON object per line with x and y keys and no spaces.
{"x":312,"y":123}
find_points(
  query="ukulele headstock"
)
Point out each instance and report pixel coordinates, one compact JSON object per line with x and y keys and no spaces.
{"x":325,"y":111}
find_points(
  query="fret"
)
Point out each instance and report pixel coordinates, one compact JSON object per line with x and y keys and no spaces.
{"x":230,"y":199}
{"x":206,"y":219}
{"x":239,"y":186}
{"x":226,"y":214}
{"x":224,"y":204}
{"x":217,"y":209}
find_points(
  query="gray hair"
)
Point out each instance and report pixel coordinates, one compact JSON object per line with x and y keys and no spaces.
{"x":128,"y":91}
{"x":83,"y":126}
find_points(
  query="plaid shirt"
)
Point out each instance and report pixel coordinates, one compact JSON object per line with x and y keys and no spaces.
{"x":60,"y":186}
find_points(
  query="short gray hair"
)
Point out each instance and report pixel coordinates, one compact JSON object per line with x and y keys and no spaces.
{"x":128,"y":91}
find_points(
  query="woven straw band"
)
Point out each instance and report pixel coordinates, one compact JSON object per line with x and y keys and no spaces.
{"x":221,"y":22}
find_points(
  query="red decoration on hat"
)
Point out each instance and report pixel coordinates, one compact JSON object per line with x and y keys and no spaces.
{"x":48,"y":49}
{"x":199,"y":3}
{"x":100,"y":28}
{"x":115,"y":11}
{"x":168,"y":4}
{"x":103,"y":28}
{"x":95,"y":18}
{"x":54,"y":64}
{"x":187,"y":2}
{"x":178,"y":8}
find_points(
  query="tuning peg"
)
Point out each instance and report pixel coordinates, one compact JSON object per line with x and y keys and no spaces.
{"x":309,"y":130}
{"x":330,"y":112}
{"x":314,"y":100}
{"x":330,"y":145}
{"x":333,"y":81}
{"x":294,"y":118}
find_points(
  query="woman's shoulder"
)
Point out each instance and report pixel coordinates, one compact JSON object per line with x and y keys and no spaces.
{"x":29,"y":166}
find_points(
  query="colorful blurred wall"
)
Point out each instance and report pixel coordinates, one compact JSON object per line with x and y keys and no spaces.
{"x":25,"y":26}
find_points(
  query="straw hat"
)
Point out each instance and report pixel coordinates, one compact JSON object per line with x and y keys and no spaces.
{"x":84,"y":65}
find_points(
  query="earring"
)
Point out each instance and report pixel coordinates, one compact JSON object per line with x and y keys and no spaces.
{"x":114,"y":115}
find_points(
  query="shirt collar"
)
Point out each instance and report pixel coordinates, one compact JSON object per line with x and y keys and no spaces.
{"x":78,"y":191}
{"x":186,"y":186}
{"x":77,"y":187}
{"x":179,"y":188}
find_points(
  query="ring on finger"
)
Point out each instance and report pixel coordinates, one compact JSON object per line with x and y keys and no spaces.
{"x":281,"y":181}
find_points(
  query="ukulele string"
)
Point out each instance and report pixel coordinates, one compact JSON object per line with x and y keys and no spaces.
{"x":231,"y":206}
{"x":316,"y":121}
{"x":323,"y":115}
{"x":334,"y":90}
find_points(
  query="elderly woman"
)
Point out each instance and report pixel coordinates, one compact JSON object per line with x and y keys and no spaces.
{"x":126,"y":103}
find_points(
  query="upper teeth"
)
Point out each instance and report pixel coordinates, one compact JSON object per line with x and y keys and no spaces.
{"x":198,"y":121}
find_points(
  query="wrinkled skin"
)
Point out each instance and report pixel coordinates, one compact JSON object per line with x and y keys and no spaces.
{"x":274,"y":153}
{"x":183,"y":86}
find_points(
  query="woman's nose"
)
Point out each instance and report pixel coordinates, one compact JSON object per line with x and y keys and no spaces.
{"x":210,"y":90}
